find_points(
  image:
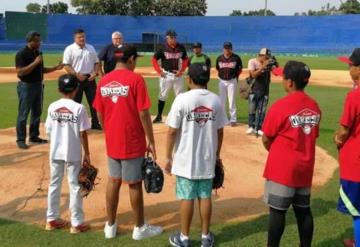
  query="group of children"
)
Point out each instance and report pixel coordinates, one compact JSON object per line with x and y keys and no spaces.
{"x":196,"y":122}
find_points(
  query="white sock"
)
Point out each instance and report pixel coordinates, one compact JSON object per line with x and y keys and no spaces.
{"x":205,"y":236}
{"x":183,"y":237}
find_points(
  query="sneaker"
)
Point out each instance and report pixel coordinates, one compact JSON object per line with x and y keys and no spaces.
{"x":146,"y":231}
{"x":110,"y":231}
{"x":158,"y":119}
{"x":175,"y":240}
{"x":96,"y":127}
{"x":250,"y":131}
{"x":55,"y":224}
{"x":349,"y":243}
{"x":209,"y":241}
{"x":260,"y":133}
{"x":22,"y":145}
{"x":79,"y":229}
{"x":233,"y":124}
{"x":37,"y":140}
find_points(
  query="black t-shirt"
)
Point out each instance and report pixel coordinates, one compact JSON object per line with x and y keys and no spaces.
{"x":25,"y":57}
{"x":170,"y":57}
{"x":107,"y":55}
{"x":262,"y":84}
{"x":228,"y":68}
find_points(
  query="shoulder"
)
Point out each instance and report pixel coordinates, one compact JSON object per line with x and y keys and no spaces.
{"x":90,"y":47}
{"x":21,"y":52}
{"x":69,"y":48}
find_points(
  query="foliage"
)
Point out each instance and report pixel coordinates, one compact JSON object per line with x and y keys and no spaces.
{"x":33,"y":8}
{"x":260,"y":12}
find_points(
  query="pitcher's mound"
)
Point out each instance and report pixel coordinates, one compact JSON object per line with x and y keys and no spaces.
{"x":25,"y":176}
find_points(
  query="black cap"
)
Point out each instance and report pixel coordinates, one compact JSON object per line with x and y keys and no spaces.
{"x":197,"y":45}
{"x":297,"y":72}
{"x":354,"y":58}
{"x":171,"y":33}
{"x":125,"y":52}
{"x":227,"y":45}
{"x":68,"y":83}
{"x":199,"y":73}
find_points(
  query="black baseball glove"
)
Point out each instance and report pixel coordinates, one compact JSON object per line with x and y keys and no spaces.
{"x":153,"y":176}
{"x":218,"y":180}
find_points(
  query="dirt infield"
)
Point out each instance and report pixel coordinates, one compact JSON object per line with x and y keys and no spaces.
{"x":25,"y":175}
{"x":319,"y":77}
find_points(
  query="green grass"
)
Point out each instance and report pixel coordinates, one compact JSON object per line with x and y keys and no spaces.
{"x":330,"y":226}
{"x":326,"y":62}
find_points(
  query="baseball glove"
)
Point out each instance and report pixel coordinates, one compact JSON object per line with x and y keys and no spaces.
{"x":153,"y":176}
{"x":218,"y":180}
{"x":87,"y":177}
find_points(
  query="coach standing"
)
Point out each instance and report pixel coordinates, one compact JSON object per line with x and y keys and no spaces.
{"x":80,"y":59}
{"x":229,"y":67}
{"x":30,"y":69}
{"x":107,"y":54}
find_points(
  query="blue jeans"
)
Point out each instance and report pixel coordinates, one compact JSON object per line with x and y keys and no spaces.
{"x":257,"y":110}
{"x":30,"y":99}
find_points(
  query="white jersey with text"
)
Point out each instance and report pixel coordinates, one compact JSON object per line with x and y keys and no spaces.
{"x":65,"y":120}
{"x":197,"y":114}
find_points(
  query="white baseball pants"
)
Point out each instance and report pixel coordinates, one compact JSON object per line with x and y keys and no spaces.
{"x":57,"y":170}
{"x":168,"y":82}
{"x":228,"y":89}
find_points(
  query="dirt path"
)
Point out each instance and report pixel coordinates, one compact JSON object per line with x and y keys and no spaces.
{"x":25,"y":175}
{"x":319,"y":77}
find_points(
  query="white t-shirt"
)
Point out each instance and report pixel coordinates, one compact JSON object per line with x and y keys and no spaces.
{"x":254,"y":64}
{"x":65,"y":120}
{"x":198,"y":114}
{"x":82,"y":60}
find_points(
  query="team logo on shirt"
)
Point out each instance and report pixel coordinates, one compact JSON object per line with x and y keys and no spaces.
{"x":114,"y":90}
{"x":63,"y":115}
{"x":227,"y":65}
{"x":305,"y":119}
{"x":201,"y":115}
{"x":172,"y":55}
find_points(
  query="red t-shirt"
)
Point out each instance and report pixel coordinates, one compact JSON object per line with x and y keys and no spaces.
{"x":293,"y":124}
{"x":120,"y":96}
{"x":349,"y":155}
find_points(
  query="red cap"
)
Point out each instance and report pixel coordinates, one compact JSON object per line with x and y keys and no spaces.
{"x":345,"y":60}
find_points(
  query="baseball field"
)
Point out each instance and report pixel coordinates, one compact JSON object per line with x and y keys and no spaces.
{"x":239,"y":217}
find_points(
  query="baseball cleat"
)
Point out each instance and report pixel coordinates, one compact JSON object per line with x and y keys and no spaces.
{"x":55,"y":224}
{"x":209,"y":241}
{"x":79,"y":229}
{"x":22,"y":145}
{"x":158,"y":119}
{"x":175,"y":240}
{"x":233,"y":124}
{"x":37,"y":140}
{"x":250,"y":131}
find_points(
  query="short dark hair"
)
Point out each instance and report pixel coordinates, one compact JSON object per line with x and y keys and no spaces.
{"x":199,"y":74}
{"x":79,"y":31}
{"x":298,"y":72}
{"x":30,"y":36}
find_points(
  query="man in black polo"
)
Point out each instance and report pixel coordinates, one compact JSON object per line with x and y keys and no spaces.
{"x":30,"y":69}
{"x":107,"y":55}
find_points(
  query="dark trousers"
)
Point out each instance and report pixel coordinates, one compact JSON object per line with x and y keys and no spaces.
{"x":257,"y":110}
{"x":30,"y":99}
{"x":89,"y":87}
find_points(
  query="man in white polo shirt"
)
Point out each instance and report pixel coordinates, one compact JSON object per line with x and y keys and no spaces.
{"x":80,"y":59}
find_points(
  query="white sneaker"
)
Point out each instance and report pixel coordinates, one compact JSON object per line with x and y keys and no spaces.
{"x":110,"y":231}
{"x":250,"y":131}
{"x":260,"y":132}
{"x":146,"y":231}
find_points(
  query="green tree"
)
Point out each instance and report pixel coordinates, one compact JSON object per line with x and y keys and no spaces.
{"x":350,"y":7}
{"x":260,"y":12}
{"x":33,"y":7}
{"x":58,"y":7}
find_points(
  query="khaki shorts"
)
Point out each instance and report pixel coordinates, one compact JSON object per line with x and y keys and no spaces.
{"x":128,"y":171}
{"x":280,"y":196}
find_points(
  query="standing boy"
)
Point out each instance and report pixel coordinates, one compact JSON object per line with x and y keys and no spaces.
{"x":66,"y":124}
{"x":196,"y":123}
{"x":348,"y":141}
{"x":290,"y":131}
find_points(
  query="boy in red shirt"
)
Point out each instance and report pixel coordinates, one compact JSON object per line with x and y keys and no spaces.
{"x":290,"y":131}
{"x":347,"y":138}
{"x":122,"y":104}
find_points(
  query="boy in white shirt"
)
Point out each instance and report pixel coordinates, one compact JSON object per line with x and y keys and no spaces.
{"x":196,"y":123}
{"x":66,"y":125}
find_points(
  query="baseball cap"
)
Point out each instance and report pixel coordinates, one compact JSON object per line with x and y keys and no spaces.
{"x":67,"y":83}
{"x":171,"y":33}
{"x":354,"y":58}
{"x":265,"y":52}
{"x":126,"y":51}
{"x":199,"y":73}
{"x":197,"y":45}
{"x":297,"y":72}
{"x":227,"y":45}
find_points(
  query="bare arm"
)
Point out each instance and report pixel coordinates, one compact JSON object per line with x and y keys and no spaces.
{"x":101,"y":69}
{"x":95,"y":72}
{"x":258,"y":72}
{"x":148,"y":128}
{"x":341,"y":136}
{"x":101,"y":119}
{"x":220,"y":141}
{"x":59,"y":66}
{"x":267,"y":142}
{"x":85,"y":143}
{"x":170,"y":143}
